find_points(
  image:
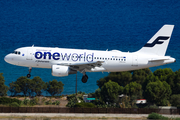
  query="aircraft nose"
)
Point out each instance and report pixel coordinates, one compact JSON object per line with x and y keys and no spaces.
{"x":8,"y":58}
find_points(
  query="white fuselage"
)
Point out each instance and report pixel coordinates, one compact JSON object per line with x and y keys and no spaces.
{"x":112,"y":61}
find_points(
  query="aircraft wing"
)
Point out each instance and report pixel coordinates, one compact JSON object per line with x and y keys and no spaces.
{"x":83,"y":66}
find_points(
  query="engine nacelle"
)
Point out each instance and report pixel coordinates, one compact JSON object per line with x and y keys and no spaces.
{"x":60,"y":71}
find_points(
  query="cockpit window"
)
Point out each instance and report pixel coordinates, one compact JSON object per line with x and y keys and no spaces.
{"x":17,"y":52}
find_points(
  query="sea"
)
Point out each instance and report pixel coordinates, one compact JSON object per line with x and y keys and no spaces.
{"x":124,"y":25}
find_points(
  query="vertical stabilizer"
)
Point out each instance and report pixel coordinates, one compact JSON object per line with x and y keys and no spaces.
{"x":158,"y":44}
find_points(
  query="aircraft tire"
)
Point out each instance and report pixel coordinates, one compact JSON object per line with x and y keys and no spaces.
{"x":28,"y":75}
{"x":84,"y":79}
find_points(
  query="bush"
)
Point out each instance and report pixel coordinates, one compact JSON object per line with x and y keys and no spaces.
{"x":49,"y":102}
{"x":6,"y":101}
{"x":14,"y":104}
{"x":56,"y":102}
{"x":72,"y":100}
{"x":26,"y":101}
{"x":33,"y":102}
{"x":156,"y":116}
{"x":85,"y":105}
{"x":69,"y":97}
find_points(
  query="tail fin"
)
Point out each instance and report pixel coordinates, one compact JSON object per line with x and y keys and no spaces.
{"x":158,"y":44}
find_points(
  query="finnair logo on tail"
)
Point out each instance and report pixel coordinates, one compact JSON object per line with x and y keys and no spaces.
{"x":156,"y":41}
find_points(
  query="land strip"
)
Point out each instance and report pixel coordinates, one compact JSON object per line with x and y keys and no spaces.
{"x":57,"y":116}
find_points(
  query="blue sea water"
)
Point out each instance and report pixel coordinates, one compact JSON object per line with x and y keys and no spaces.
{"x":125,"y":25}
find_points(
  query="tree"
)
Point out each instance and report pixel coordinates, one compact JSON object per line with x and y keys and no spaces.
{"x":122,"y":78}
{"x":176,"y":88}
{"x":158,"y":92}
{"x":150,"y":78}
{"x":139,"y":76}
{"x":163,"y":73}
{"x":109,"y":91}
{"x":133,"y":89}
{"x":37,"y":85}
{"x":175,"y":100}
{"x":3,"y":87}
{"x":23,"y":83}
{"x":54,"y":87}
{"x":167,"y":75}
{"x":14,"y":89}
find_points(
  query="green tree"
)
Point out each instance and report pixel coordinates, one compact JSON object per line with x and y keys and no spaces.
{"x":14,"y":88}
{"x":175,"y":100}
{"x":176,"y":88}
{"x":24,"y":84}
{"x":122,"y":78}
{"x":158,"y":92}
{"x":133,"y":89}
{"x":139,"y":76}
{"x":98,"y":93}
{"x":109,"y":92}
{"x":163,"y":73}
{"x":54,"y":87}
{"x":37,"y":85}
{"x":150,"y":78}
{"x":167,"y":75}
{"x":3,"y":87}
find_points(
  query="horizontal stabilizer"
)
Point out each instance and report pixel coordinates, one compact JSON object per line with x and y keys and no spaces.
{"x":159,"y":59}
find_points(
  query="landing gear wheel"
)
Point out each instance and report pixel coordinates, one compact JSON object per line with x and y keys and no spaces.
{"x":84,"y":78}
{"x":28,"y":75}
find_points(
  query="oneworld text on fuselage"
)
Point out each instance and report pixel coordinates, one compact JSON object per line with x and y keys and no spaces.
{"x":65,"y":56}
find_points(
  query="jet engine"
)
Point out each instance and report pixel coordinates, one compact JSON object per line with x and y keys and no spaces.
{"x":60,"y":71}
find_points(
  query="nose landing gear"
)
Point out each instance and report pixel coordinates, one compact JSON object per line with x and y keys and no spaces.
{"x":29,"y":75}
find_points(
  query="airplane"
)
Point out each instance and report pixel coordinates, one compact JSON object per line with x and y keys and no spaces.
{"x":64,"y":62}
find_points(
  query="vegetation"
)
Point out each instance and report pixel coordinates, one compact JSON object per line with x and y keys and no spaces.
{"x":9,"y":101}
{"x":175,"y":100}
{"x":35,"y":87}
{"x":85,"y":105}
{"x":160,"y":88}
{"x":3,"y":87}
{"x":156,"y":116}
{"x":73,"y":100}
{"x":54,"y":87}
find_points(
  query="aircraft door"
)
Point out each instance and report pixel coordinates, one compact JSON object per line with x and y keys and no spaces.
{"x":135,"y":60}
{"x":29,"y":54}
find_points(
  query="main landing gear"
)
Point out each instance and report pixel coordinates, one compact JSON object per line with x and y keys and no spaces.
{"x":84,"y":78}
{"x":29,"y":75}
